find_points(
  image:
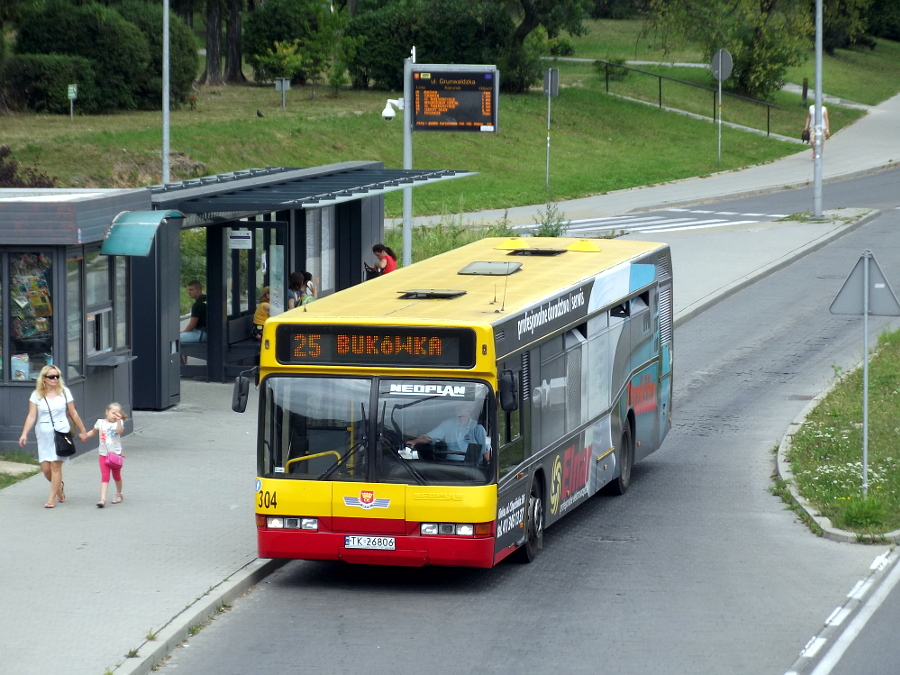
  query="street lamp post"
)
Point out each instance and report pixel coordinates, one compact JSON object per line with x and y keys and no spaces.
{"x":818,"y":135}
{"x":407,"y":155}
{"x":165,"y":94}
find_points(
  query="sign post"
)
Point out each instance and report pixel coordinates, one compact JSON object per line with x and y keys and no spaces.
{"x":721,"y":70}
{"x":282,"y":84}
{"x":551,"y":89}
{"x":73,"y":94}
{"x":866,"y":291}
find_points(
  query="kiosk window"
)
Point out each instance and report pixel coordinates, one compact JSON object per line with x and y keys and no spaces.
{"x":74,"y":319}
{"x":30,"y":313}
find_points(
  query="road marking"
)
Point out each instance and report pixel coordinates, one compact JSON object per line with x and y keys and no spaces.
{"x":709,"y":224}
{"x":833,"y":655}
{"x":837,"y":616}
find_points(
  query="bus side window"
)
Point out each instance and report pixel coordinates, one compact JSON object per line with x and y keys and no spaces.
{"x":620,"y":311}
{"x":512,"y":445}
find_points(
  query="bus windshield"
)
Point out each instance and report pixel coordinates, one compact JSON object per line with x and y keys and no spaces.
{"x":413,"y":431}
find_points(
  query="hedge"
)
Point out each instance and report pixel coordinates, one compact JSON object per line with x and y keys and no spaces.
{"x":117,"y":49}
{"x":40,"y":82}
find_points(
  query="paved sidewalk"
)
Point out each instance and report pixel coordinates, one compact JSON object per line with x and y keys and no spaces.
{"x":83,"y":587}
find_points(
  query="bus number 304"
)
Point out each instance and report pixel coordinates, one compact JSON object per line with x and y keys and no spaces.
{"x":267,"y":500}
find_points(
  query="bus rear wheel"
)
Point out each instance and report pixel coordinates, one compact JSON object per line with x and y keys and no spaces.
{"x":625,"y":457}
{"x":534,"y":525}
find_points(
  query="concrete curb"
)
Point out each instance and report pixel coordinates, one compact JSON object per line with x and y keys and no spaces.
{"x":749,"y":279}
{"x":783,"y":469}
{"x":177,"y":630}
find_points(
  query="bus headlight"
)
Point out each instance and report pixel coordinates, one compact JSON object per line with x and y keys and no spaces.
{"x":455,"y":529}
{"x":280,"y":523}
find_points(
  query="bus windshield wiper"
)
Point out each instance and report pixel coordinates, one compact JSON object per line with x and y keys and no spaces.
{"x":384,"y":442}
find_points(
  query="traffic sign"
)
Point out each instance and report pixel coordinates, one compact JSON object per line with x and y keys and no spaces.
{"x":851,"y":298}
{"x":722,"y":65}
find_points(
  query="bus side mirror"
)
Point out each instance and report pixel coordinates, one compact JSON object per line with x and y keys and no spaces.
{"x":239,"y":396}
{"x":509,"y":394}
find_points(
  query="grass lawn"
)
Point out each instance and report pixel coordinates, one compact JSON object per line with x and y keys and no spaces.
{"x":826,"y":454}
{"x":7,"y":479}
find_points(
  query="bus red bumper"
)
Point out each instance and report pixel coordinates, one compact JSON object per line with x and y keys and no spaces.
{"x":411,"y":551}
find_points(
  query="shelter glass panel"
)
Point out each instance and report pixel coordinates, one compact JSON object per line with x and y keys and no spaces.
{"x":121,"y":301}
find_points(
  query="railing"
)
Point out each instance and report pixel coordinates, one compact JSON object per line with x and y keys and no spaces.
{"x":715,"y":92}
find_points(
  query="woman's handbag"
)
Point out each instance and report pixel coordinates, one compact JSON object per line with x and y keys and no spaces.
{"x":114,"y":460}
{"x":804,"y":135}
{"x":65,"y":446}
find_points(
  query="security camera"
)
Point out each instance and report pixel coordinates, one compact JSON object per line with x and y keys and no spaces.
{"x":388,"y":113}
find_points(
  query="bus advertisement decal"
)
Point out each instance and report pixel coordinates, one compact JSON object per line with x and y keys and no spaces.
{"x":511,"y":520}
{"x":568,"y":478}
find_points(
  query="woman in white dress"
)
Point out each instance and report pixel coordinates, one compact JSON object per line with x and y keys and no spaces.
{"x":50,"y":400}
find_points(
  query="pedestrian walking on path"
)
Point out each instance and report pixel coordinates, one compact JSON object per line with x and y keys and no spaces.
{"x":110,"y":429}
{"x":49,"y":408}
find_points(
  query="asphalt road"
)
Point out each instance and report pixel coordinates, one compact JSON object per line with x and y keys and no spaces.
{"x":698,"y":569}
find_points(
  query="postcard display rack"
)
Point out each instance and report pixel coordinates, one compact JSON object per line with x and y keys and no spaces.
{"x":31,"y":315}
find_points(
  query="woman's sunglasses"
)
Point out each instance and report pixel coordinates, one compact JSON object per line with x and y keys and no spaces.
{"x":51,"y":377}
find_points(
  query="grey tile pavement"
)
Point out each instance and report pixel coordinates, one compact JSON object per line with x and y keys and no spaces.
{"x":83,"y":587}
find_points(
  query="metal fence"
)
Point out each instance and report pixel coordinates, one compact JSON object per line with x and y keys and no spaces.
{"x":715,"y":94}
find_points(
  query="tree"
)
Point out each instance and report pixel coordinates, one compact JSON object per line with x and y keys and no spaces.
{"x":308,"y":22}
{"x":765,"y":37}
{"x":233,"y":46}
{"x":844,"y":24}
{"x":522,"y":69}
{"x":884,"y":19}
{"x":212,"y":74}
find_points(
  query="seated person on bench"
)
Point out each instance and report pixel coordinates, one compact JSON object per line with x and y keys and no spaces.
{"x":458,"y":433}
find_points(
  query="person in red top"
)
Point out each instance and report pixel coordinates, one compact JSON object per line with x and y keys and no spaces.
{"x":387,"y":259}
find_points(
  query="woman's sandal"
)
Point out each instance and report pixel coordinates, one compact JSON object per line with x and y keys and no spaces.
{"x":61,"y":494}
{"x":117,"y":499}
{"x":49,"y":505}
{"x":101,"y":503}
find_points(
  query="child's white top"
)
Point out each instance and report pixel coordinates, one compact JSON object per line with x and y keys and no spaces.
{"x":110,"y":440}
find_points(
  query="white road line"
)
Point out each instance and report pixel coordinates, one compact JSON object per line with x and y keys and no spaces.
{"x":833,"y":655}
{"x":710,"y":223}
{"x":635,"y":224}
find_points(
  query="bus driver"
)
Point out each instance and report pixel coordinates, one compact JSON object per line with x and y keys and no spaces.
{"x":458,"y":433}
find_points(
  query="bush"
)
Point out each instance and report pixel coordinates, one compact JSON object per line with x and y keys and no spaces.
{"x":183,"y":59}
{"x":10,"y":177}
{"x":117,"y":49}
{"x":40,"y":82}
{"x":286,"y":21}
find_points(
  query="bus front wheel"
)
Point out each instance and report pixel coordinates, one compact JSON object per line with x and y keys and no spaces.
{"x":625,"y":457}
{"x":534,"y":525}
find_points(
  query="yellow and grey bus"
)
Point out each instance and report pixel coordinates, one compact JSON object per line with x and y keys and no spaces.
{"x":447,"y":412}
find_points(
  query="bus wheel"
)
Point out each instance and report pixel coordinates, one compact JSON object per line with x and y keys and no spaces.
{"x":534,"y":525}
{"x":625,"y":457}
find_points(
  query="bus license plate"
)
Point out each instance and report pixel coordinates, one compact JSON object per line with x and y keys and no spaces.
{"x":372,"y":543}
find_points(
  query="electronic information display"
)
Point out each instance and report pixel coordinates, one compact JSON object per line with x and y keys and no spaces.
{"x":398,"y":347}
{"x":455,"y":100}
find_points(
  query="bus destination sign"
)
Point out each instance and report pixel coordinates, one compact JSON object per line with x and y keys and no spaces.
{"x":398,"y":347}
{"x":460,"y":100}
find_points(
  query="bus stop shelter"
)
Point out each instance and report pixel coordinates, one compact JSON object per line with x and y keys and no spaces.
{"x":260,"y":225}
